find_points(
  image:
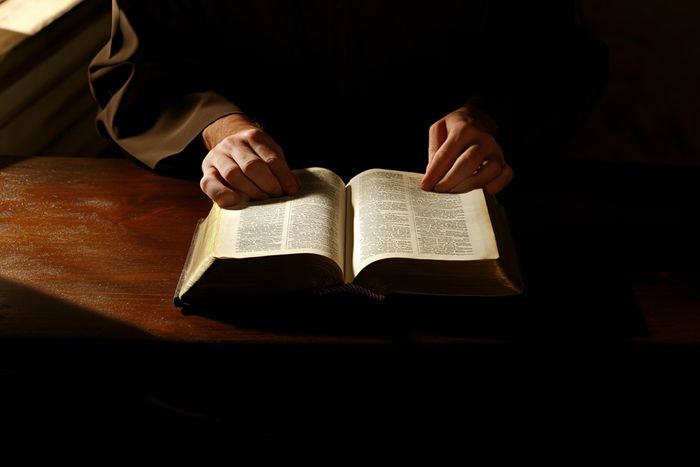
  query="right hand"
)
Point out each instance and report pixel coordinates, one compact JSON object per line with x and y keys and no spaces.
{"x":243,"y":162}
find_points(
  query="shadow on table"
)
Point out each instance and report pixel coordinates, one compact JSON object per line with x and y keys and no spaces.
{"x":581,"y":236}
{"x":27,"y":313}
{"x":575,"y":310}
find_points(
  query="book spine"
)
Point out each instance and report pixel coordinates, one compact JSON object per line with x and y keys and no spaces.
{"x":353,"y":288}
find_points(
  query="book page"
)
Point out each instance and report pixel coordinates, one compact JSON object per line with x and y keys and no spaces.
{"x":312,"y":221}
{"x":394,"y":218}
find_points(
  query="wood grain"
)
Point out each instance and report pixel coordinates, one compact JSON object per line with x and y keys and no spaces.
{"x":94,"y":248}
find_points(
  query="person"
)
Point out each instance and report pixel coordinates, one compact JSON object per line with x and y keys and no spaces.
{"x":242,"y":91}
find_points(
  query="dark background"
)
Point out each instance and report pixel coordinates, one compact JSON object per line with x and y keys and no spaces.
{"x":651,"y":107}
{"x":632,"y":184}
{"x":649,"y":112}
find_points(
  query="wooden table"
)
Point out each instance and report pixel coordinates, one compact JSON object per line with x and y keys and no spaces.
{"x":92,"y":250}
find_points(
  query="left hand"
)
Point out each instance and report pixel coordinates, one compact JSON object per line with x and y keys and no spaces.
{"x":464,"y":155}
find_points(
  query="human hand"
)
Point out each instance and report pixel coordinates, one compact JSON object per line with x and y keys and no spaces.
{"x":464,"y":155}
{"x":243,"y":162}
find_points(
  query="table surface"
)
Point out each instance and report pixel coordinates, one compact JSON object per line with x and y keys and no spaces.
{"x":94,"y":248}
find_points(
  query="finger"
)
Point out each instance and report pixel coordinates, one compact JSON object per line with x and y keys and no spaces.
{"x":232,"y":175}
{"x":487,"y":173}
{"x":443,"y":159}
{"x":436,"y":137}
{"x":501,"y":181}
{"x":459,"y":137}
{"x":270,"y":152}
{"x":215,"y":188}
{"x":256,"y":170}
{"x":465,"y":166}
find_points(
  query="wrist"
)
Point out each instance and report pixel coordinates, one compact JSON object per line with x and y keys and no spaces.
{"x":480,"y":119}
{"x":225,"y":126}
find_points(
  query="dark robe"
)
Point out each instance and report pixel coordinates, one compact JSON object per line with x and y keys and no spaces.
{"x":344,"y":84}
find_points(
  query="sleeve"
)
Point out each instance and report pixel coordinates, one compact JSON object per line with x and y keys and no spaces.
{"x":543,"y":74}
{"x":154,"y":99}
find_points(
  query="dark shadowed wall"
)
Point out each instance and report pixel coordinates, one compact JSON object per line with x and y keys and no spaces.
{"x":651,"y":109}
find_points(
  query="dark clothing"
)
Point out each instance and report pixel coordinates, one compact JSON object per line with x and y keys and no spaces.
{"x":345,"y":84}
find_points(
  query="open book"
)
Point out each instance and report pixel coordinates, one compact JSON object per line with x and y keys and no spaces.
{"x":381,"y":232}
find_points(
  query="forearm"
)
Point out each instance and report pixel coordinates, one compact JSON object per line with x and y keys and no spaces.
{"x":153,"y":102}
{"x":225,"y":126}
